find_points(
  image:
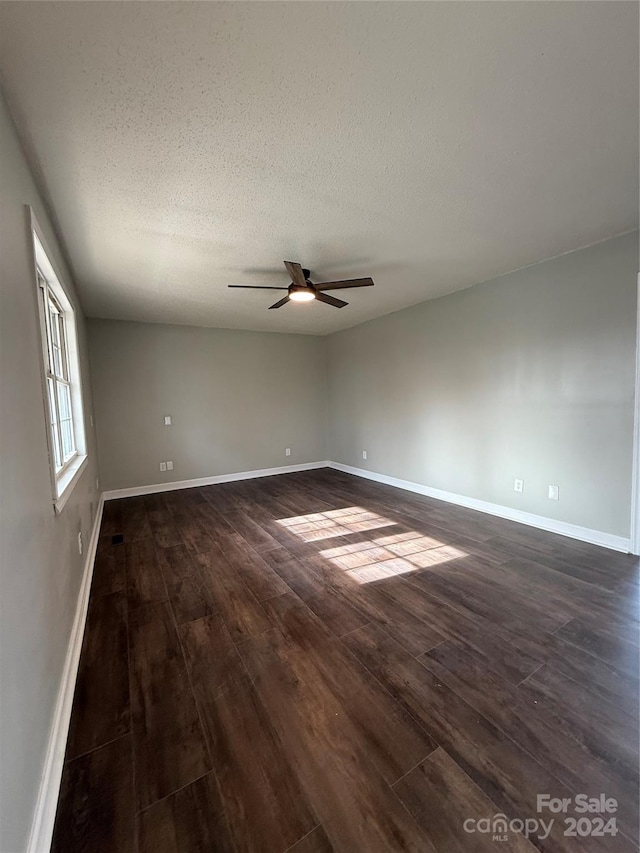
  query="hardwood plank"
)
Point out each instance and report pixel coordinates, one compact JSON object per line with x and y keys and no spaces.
{"x":549,"y":738}
{"x":265,"y":807}
{"x":240,"y":610}
{"x":211,"y":655}
{"x":112,"y":522}
{"x":497,"y":576}
{"x":328,"y":602}
{"x":506,"y":773}
{"x":580,"y":594}
{"x":315,"y":842}
{"x":597,"y":677}
{"x":578,"y":570}
{"x":241,"y":523}
{"x":617,"y":652}
{"x":386,"y":604}
{"x":189,"y":594}
{"x":163,"y":530}
{"x":188,"y":821}
{"x":621,"y":712}
{"x":357,"y":808}
{"x":455,"y":582}
{"x":185,"y":508}
{"x":441,"y":797}
{"x":394,"y":740}
{"x":257,"y":575}
{"x":512,"y":655}
{"x":145,"y":584}
{"x":95,"y":808}
{"x":109,"y":573}
{"x":135,"y":522}
{"x":101,"y":710}
{"x":598,"y":723}
{"x":169,"y":746}
{"x":215,"y":523}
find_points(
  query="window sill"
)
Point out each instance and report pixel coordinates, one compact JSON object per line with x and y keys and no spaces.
{"x":68,"y":480}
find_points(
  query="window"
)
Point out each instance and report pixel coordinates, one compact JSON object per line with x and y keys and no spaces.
{"x":61,"y":377}
{"x":58,"y":384}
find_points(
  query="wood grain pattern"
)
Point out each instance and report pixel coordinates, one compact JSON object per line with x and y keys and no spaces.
{"x":101,"y":702}
{"x":394,"y":740}
{"x":312,"y":663}
{"x":145,"y":584}
{"x":441,"y":797}
{"x":356,"y":806}
{"x":109,"y":569}
{"x":169,"y":746}
{"x":95,"y":810}
{"x":187,"y":590}
{"x":255,"y":776}
{"x":505,"y":772}
{"x":192,"y":819}
{"x":163,"y":530}
{"x":543,"y":730}
{"x":242,"y":612}
{"x":211,"y":655}
{"x":315,"y":842}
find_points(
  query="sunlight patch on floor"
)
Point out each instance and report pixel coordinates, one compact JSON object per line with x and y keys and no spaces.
{"x":380,"y":557}
{"x":335,"y":522}
{"x":388,"y":556}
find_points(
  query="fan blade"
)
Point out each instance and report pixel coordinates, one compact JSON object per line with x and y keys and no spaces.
{"x":295,"y":271}
{"x":256,"y":287}
{"x":279,"y":303}
{"x":351,"y":282}
{"x":337,"y":303}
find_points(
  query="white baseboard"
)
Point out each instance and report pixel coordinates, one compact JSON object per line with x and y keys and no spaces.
{"x":574,"y":531}
{"x":210,"y":481}
{"x":47,"y":803}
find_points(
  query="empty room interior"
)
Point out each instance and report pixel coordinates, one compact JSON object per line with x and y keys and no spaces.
{"x":320,"y":427}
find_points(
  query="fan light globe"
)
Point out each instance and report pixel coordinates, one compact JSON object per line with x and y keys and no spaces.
{"x":302,"y":296}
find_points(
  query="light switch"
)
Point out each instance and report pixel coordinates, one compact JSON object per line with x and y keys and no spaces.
{"x":167,"y":420}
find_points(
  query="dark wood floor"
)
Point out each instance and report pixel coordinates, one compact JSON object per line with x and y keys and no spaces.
{"x":314,"y":662}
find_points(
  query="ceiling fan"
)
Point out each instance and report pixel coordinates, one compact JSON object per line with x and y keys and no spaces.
{"x":303,"y":290}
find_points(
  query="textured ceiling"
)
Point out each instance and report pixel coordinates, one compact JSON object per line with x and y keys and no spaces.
{"x":187,"y":146}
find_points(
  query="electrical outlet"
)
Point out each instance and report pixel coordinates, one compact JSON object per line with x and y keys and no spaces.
{"x":169,"y":466}
{"x":167,"y":420}
{"x":518,"y":485}
{"x":287,"y":452}
{"x":80,"y":542}
{"x":364,"y":454}
{"x":554,"y":493}
{"x":163,"y":466}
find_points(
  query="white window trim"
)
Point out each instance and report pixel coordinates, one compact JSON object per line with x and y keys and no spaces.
{"x":63,"y":481}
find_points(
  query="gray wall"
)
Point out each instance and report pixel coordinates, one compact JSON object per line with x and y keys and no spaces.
{"x":39,"y":562}
{"x":530,"y":375}
{"x":237,"y":400}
